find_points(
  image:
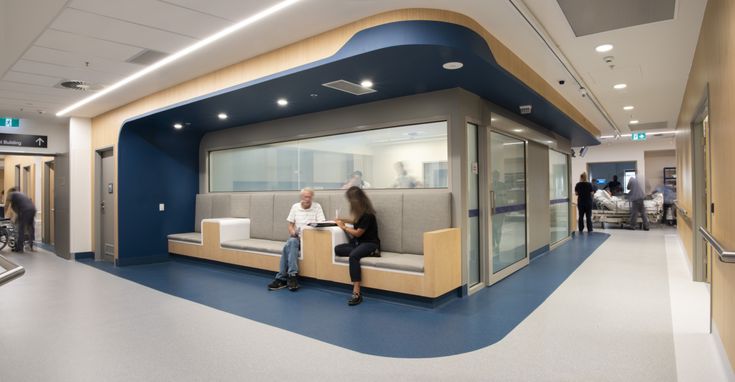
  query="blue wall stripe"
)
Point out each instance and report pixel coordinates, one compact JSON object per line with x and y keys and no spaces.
{"x":558,"y":201}
{"x":509,"y":208}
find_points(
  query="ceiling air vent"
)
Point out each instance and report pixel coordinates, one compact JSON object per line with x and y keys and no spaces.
{"x":79,"y":85}
{"x":349,"y":87}
{"x":146,"y":57}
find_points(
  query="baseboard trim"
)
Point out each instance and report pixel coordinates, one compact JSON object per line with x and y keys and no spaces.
{"x":538,"y":252}
{"x":722,"y":353}
{"x":82,"y":255}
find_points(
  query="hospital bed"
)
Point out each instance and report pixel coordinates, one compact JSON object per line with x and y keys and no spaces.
{"x":616,"y":210}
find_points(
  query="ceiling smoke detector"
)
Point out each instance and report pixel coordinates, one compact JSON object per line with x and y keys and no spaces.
{"x":83,"y":86}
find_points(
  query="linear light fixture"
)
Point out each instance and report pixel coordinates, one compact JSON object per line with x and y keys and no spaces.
{"x":181,"y":53}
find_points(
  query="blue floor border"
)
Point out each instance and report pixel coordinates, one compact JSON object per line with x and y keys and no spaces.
{"x":377,"y":326}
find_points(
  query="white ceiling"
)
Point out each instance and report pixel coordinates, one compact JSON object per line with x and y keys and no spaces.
{"x":91,"y":40}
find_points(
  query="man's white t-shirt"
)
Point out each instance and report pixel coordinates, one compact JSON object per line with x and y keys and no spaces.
{"x":301,"y":217}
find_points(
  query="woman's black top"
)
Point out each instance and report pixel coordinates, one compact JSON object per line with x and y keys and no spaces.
{"x":584,"y":192}
{"x":367,"y":222}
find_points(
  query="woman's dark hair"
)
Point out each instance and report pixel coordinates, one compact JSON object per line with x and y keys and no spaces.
{"x":359,"y":202}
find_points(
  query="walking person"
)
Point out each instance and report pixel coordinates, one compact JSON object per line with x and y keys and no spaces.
{"x":584,"y":191}
{"x":364,"y":239}
{"x":25,"y":211}
{"x":636,"y":196}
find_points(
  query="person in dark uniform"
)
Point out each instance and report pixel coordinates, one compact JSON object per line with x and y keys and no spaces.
{"x":614,"y":187}
{"x":25,"y":211}
{"x":364,"y":239}
{"x":584,"y":191}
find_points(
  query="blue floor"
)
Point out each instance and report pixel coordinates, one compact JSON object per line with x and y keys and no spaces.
{"x":377,"y":326}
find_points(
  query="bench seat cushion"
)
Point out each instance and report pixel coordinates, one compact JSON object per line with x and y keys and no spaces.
{"x":257,"y":245}
{"x":189,"y":237}
{"x":391,"y":260}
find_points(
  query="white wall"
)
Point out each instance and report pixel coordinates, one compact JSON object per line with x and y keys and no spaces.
{"x":80,"y":185}
{"x":623,"y":150}
{"x":656,"y":160}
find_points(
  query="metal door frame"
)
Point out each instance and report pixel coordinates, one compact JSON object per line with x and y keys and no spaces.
{"x":98,"y":232}
{"x":488,"y":276}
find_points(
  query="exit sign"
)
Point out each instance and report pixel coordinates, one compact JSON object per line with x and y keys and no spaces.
{"x":638,"y":136}
{"x":9,"y":122}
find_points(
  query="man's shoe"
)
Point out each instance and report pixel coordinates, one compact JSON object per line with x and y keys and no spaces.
{"x":277,"y":284}
{"x":355,"y":300}
{"x":293,"y":283}
{"x":646,"y":229}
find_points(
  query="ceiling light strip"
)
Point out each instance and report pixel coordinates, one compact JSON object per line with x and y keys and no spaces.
{"x":181,"y":53}
{"x":537,"y":27}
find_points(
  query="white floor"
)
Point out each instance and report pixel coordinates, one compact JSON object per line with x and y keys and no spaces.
{"x":611,"y":320}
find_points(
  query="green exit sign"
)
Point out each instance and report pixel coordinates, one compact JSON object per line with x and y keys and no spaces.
{"x":9,"y":122}
{"x":638,"y":136}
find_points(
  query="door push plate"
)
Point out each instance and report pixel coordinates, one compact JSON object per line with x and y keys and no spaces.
{"x":109,"y":188}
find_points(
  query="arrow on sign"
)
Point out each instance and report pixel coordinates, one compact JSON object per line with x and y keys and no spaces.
{"x":40,"y":141}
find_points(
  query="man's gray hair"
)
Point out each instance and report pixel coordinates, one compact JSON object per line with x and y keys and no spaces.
{"x":307,"y":190}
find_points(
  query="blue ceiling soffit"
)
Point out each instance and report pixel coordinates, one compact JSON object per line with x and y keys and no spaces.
{"x":401,"y":58}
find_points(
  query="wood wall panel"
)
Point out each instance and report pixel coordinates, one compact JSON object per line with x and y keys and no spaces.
{"x":106,"y":127}
{"x":714,"y":65}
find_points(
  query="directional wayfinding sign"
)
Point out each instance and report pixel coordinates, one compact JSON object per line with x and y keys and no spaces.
{"x":638,"y":136}
{"x":9,"y":122}
{"x":24,"y":140}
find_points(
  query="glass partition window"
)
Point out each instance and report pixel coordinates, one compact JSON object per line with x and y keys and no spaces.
{"x":559,"y":195}
{"x":412,"y":156}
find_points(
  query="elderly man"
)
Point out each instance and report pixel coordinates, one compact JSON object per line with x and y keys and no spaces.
{"x":636,"y":196}
{"x":301,"y":214}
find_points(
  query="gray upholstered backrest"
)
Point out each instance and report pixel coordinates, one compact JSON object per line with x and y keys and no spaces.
{"x":240,"y":205}
{"x":221,"y":206}
{"x":281,"y":207}
{"x":424,"y":212}
{"x":389,"y":213}
{"x":261,"y":216}
{"x":403,"y":215}
{"x":203,"y":210}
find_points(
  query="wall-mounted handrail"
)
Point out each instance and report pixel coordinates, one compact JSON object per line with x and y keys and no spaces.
{"x":681,"y":210}
{"x":725,"y":256}
{"x":12,"y":270}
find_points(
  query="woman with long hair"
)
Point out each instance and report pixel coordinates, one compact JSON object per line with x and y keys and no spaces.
{"x":363,"y":234}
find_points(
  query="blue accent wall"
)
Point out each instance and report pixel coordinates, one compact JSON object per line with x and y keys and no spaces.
{"x":154,"y":166}
{"x":157,"y":164}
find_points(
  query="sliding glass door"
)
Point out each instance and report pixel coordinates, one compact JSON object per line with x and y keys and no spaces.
{"x":507,"y":180}
{"x":558,"y":195}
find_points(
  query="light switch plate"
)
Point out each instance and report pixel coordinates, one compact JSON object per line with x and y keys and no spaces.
{"x":161,"y":207}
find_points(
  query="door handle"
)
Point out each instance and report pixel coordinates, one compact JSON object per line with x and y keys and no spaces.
{"x":102,"y":204}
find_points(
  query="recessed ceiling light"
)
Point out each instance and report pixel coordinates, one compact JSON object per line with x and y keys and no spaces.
{"x":178,"y":126}
{"x":633,"y":122}
{"x":366,"y":84}
{"x":628,"y":108}
{"x":620,"y":86}
{"x":549,"y":142}
{"x":604,"y":48}
{"x":282,"y":102}
{"x":453,"y":65}
{"x":518,"y":130}
{"x":493,"y":119}
{"x":181,"y":53}
{"x":222,"y":116}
